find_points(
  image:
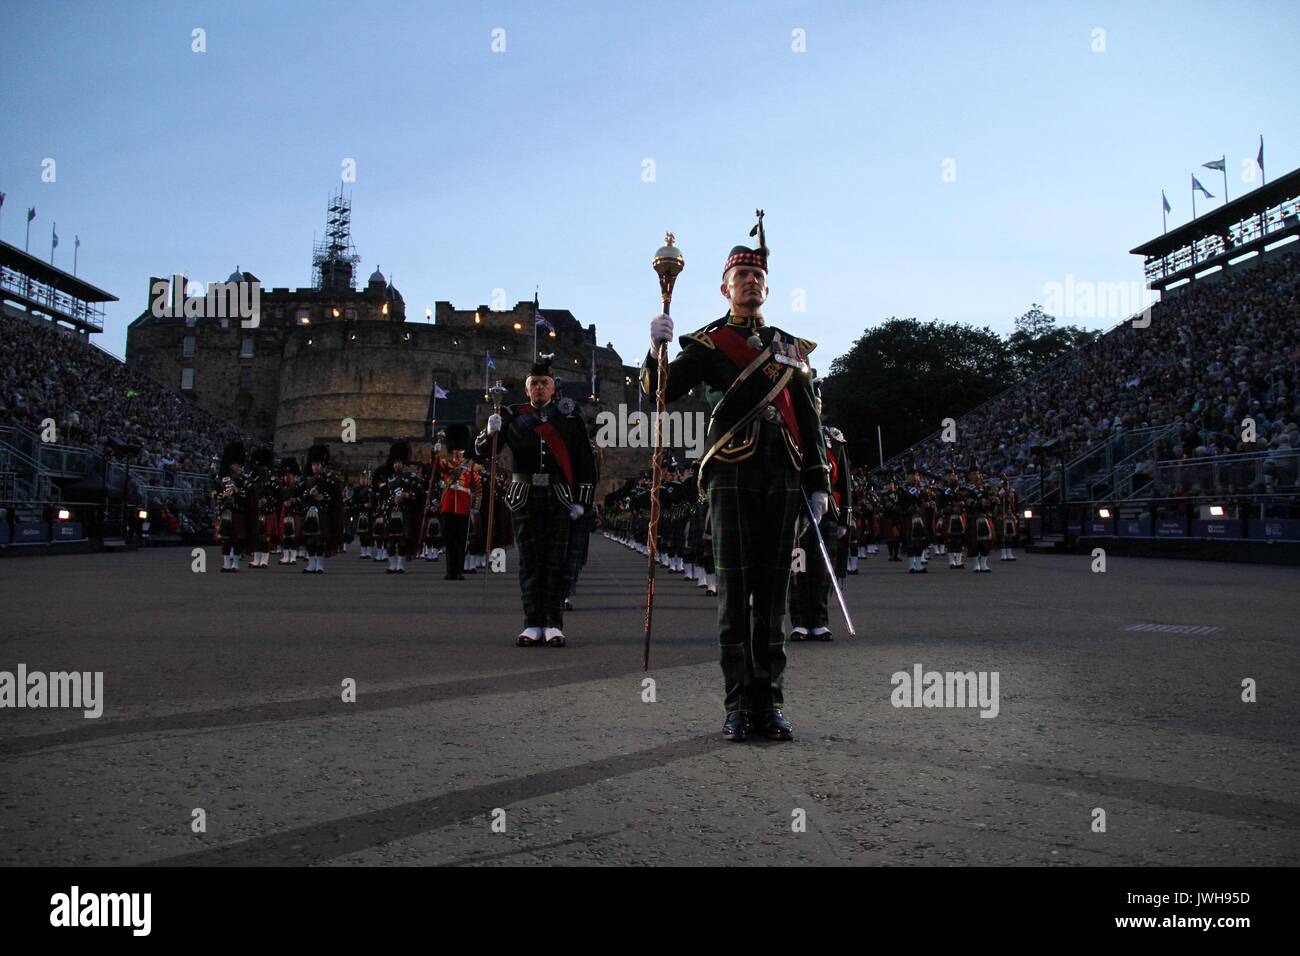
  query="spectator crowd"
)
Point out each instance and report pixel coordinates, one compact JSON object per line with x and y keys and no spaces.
{"x":1221,"y":351}
{"x":98,"y":403}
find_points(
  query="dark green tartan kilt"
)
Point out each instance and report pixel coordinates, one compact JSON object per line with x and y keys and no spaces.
{"x":753,"y":505}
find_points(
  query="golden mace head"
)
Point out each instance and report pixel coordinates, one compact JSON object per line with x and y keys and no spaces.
{"x":668,"y":261}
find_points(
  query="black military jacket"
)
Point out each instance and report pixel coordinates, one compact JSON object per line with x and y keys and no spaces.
{"x":732,"y":434}
{"x":532,"y":452}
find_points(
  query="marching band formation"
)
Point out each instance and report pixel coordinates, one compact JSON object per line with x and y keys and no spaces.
{"x":771,"y":516}
{"x":404,"y":510}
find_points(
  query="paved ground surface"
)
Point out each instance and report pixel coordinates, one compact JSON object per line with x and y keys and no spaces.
{"x":223,"y":693}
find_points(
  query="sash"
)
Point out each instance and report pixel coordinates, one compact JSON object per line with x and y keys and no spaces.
{"x":554,"y":441}
{"x":735,"y":347}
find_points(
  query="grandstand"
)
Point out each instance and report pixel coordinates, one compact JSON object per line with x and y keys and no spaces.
{"x":121,"y":445}
{"x":1183,"y":429}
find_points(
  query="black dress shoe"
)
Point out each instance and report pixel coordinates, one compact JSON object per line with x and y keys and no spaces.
{"x":776,"y":727}
{"x":825,"y":636}
{"x":737,"y":727}
{"x":796,"y":637}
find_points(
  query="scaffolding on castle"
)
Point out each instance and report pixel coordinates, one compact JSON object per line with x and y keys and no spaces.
{"x":334,"y":258}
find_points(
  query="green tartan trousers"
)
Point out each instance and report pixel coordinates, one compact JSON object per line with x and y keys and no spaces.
{"x":753,"y":505}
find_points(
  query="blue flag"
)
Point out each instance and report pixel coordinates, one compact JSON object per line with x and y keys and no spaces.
{"x":490,"y":363}
{"x":1205,"y":192}
{"x":439,"y":392}
{"x":1164,"y":199}
{"x":1215,"y":164}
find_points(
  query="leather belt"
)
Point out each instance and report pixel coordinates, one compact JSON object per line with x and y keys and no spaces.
{"x":540,"y":478}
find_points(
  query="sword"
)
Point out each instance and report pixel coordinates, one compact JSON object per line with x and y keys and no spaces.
{"x":830,"y":568}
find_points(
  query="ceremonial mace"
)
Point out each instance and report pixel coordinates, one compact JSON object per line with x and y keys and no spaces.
{"x":668,"y":262}
{"x":496,"y":391}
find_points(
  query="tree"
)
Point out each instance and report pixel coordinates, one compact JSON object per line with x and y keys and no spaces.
{"x":907,"y":376}
{"x":1037,"y":342}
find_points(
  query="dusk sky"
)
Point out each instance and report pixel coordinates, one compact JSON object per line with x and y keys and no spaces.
{"x":478,"y":170}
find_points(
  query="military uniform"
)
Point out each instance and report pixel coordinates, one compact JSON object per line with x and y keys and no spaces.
{"x":553,"y":474}
{"x":1008,"y":506}
{"x":321,"y":494}
{"x":461,"y":496}
{"x":763,"y":452}
{"x":580,"y":531}
{"x":916,"y":529}
{"x":361,"y":506}
{"x":810,"y":589}
{"x":264,"y":504}
{"x":981,"y":531}
{"x":232,"y":506}
{"x":399,"y":488}
{"x":290,"y":510}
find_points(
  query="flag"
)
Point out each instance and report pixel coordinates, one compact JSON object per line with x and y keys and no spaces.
{"x":31,"y":213}
{"x":1260,"y":158}
{"x":490,"y":364}
{"x":1205,"y":192}
{"x":2,"y":200}
{"x":1164,"y":199}
{"x":54,"y":231}
{"x":439,"y":392}
{"x":76,"y":241}
{"x":1215,"y":164}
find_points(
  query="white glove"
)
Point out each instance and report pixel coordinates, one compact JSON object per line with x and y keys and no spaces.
{"x":575,"y":512}
{"x":819,"y":502}
{"x":494,"y":424}
{"x":841,"y":531}
{"x":437,"y":446}
{"x":661,"y":330}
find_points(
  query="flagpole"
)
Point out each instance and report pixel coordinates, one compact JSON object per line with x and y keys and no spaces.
{"x":54,"y":240}
{"x":27,"y":240}
{"x":76,"y":247}
{"x":1164,"y":211}
{"x":880,"y":446}
{"x":1224,"y":161}
{"x":536,"y":314}
{"x":1262,"y":177}
{"x":1193,"y":206}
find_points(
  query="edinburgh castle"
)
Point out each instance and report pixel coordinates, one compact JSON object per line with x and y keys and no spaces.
{"x":346,"y":366}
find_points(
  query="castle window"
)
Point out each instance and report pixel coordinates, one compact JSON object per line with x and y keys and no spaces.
{"x":187,"y":347}
{"x":187,"y":379}
{"x":303,"y":317}
{"x":350,"y":315}
{"x":246,"y":349}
